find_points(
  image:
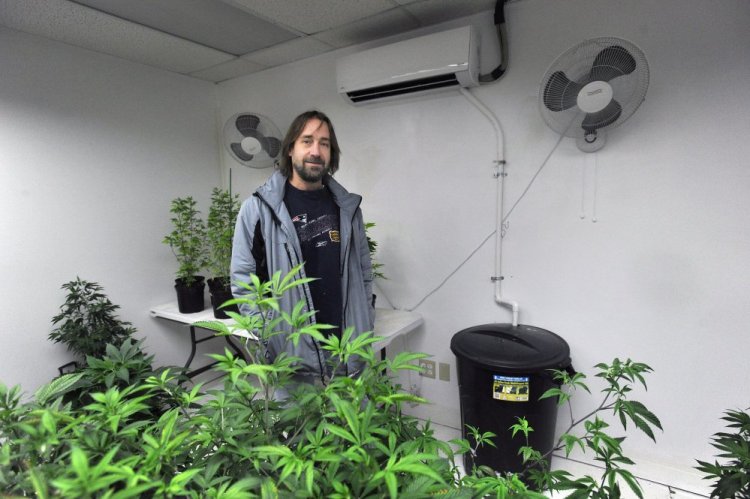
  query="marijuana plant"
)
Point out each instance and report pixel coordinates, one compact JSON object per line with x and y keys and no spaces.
{"x":349,"y":438}
{"x":346,"y":438}
{"x":222,"y":215}
{"x":372,"y":245}
{"x":187,"y":239}
{"x":732,"y":475}
{"x":87,"y":321}
{"x":619,"y":376}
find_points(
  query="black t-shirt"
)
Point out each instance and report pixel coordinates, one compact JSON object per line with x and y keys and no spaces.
{"x":316,"y":218}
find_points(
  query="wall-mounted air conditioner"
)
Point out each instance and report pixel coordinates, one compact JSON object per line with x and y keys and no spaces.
{"x":426,"y":63}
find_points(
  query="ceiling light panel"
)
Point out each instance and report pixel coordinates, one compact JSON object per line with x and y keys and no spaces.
{"x":313,"y":16}
{"x":208,"y":22}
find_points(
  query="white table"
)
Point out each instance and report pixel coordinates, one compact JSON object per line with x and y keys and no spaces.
{"x":169,"y":311}
{"x":389,"y":324}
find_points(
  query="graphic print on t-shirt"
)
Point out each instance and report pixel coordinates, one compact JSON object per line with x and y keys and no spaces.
{"x":318,"y":232}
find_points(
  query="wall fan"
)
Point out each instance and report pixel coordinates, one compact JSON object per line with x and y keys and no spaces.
{"x":592,"y":87}
{"x":252,"y":139}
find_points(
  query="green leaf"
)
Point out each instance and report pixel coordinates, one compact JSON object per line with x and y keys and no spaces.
{"x":58,"y":386}
{"x":79,"y":462}
{"x":405,"y":361}
{"x":392,"y":484}
{"x":48,"y":422}
{"x":40,"y":485}
{"x":571,"y":441}
{"x":341,"y":433}
{"x":554,"y":392}
{"x":641,"y":416}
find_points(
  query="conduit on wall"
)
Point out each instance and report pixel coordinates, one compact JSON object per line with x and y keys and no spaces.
{"x":499,"y":201}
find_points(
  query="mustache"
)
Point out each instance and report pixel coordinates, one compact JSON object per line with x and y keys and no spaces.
{"x":315,"y":160}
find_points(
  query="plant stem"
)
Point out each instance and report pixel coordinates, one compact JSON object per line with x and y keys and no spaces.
{"x":558,"y":446}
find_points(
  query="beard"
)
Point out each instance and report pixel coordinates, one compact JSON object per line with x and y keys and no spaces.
{"x":311,"y":173}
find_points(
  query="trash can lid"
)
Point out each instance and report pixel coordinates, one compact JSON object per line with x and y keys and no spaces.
{"x":518,"y":349}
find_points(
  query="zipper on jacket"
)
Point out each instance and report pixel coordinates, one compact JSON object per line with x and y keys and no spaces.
{"x":309,"y":308}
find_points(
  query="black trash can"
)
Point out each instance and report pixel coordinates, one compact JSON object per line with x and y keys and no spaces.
{"x":502,"y":372}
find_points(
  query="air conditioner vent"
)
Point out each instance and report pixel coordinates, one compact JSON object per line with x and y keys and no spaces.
{"x":405,"y":87}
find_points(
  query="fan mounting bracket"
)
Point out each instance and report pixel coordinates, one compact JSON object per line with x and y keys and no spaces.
{"x":592,"y":141}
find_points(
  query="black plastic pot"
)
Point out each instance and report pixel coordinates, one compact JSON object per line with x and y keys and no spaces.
{"x":190,"y":298}
{"x":220,"y":293}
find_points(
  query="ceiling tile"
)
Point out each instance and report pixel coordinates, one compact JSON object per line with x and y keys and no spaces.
{"x":228,"y":70}
{"x":437,"y":11}
{"x":266,"y":32}
{"x":215,"y":24}
{"x":386,"y":24}
{"x":313,"y":16}
{"x":290,"y":51}
{"x":87,"y":28}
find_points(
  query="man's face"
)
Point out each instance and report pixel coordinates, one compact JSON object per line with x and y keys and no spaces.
{"x":311,"y":153}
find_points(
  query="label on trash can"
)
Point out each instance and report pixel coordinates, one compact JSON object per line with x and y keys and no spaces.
{"x":510,"y":388}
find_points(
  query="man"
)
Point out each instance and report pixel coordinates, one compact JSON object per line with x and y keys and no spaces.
{"x":301,"y":214}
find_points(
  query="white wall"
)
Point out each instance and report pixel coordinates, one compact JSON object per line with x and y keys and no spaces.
{"x":92,"y":150}
{"x":660,"y":277}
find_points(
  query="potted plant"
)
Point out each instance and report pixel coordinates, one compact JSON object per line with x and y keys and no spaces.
{"x":222,"y":216}
{"x":187,"y":241}
{"x":372,"y":245}
{"x":87,"y":321}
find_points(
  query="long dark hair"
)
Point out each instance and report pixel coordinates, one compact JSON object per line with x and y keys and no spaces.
{"x":295,"y":130}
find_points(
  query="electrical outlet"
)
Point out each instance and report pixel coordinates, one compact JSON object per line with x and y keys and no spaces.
{"x":444,"y":371}
{"x":428,"y":368}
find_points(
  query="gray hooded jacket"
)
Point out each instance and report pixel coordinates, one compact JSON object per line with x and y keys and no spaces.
{"x":265,"y":241}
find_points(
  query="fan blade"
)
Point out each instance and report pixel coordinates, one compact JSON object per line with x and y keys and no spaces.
{"x":239,"y":152}
{"x":600,"y":119}
{"x":560,"y":92}
{"x":246,"y":124}
{"x":612,"y":62}
{"x":272,"y":146}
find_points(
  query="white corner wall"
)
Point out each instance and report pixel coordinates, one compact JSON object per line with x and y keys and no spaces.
{"x":660,"y":276}
{"x":92,"y":150}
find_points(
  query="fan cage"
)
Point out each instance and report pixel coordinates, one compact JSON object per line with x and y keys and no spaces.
{"x":577,"y":63}
{"x":232,"y":135}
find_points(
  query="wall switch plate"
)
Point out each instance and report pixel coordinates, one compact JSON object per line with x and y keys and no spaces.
{"x":444,"y":371}
{"x":428,"y":368}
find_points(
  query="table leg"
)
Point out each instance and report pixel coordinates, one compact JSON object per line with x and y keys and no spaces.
{"x":192,"y":350}
{"x":194,"y":342}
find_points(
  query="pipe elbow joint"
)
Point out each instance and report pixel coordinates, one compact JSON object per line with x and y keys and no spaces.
{"x":509,"y":304}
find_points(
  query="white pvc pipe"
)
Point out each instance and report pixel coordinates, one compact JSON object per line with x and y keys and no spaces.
{"x":499,"y":204}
